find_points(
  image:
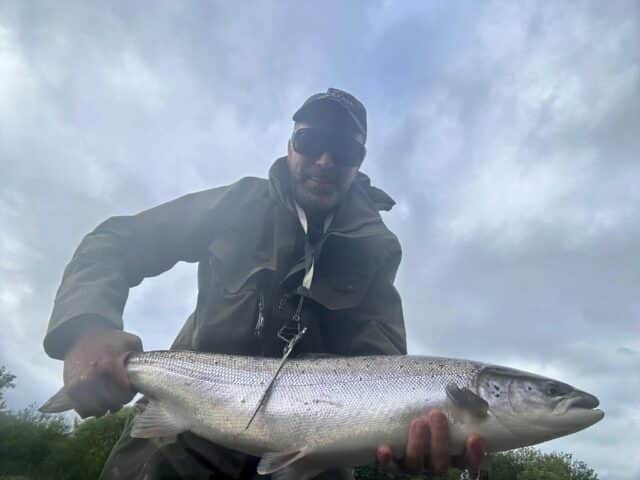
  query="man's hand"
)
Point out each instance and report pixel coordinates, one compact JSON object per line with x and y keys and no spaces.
{"x":94,"y":372}
{"x":428,"y":447}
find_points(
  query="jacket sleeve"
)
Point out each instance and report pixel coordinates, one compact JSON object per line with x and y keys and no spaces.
{"x":376,"y":326}
{"x":119,"y":254}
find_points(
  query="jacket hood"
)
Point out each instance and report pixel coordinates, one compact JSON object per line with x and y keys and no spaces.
{"x":279,"y":178}
{"x":357,"y":215}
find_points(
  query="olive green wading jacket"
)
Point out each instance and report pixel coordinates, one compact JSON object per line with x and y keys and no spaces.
{"x":249,"y":245}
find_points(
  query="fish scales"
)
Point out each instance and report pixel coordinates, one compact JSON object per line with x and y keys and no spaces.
{"x":310,"y":402}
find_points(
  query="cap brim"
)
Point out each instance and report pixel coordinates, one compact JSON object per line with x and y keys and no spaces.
{"x":308,"y":107}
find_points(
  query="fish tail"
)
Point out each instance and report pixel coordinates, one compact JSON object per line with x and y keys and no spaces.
{"x":60,"y":402}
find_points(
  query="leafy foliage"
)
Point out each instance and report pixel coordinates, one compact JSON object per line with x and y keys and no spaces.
{"x":371,"y":473}
{"x":42,"y":446}
{"x":38,"y":446}
{"x":27,"y":438}
{"x":521,"y":464}
{"x":531,"y":464}
{"x":6,"y":381}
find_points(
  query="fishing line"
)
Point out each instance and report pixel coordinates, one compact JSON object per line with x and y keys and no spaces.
{"x":293,"y":331}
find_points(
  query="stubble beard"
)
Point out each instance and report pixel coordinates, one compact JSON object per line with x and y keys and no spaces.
{"x":315,"y":203}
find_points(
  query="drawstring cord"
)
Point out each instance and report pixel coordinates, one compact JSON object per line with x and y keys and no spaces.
{"x":257,"y":331}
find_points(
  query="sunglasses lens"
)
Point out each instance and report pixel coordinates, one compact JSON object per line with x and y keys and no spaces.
{"x":313,"y":142}
{"x":309,"y":142}
{"x":348,"y":152}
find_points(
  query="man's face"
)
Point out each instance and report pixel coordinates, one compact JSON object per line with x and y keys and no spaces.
{"x":319,"y":184}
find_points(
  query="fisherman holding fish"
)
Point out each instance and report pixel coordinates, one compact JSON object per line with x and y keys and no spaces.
{"x":299,"y":263}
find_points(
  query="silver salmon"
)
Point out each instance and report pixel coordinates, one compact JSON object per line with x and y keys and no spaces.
{"x":334,"y":411}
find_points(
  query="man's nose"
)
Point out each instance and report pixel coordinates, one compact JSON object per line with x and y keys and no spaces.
{"x":325,"y":160}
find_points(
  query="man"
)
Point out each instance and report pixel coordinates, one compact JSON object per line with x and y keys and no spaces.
{"x":307,"y":247}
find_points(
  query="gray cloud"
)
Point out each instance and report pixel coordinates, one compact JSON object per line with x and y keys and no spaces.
{"x":507,"y":133}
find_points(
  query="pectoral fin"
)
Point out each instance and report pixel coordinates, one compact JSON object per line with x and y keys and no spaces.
{"x":290,"y":465}
{"x":465,"y":399}
{"x":295,"y":472}
{"x":156,"y":421}
{"x":274,"y":461}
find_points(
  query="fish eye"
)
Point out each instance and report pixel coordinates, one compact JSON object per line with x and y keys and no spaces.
{"x":554,"y":389}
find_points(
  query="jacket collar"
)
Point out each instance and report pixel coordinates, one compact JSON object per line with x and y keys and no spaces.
{"x":356,"y":216}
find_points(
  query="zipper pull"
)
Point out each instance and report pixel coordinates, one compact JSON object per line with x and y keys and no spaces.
{"x":257,"y":331}
{"x":282,"y":301}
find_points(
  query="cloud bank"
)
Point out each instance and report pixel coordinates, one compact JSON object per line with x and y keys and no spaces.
{"x":507,"y":132}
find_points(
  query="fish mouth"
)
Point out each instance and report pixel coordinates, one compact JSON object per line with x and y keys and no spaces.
{"x":577,"y":401}
{"x":586,"y":400}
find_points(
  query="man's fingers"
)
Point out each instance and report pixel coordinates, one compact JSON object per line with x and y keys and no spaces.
{"x":475,"y":449}
{"x":112,"y":394}
{"x":440,"y":441}
{"x":93,"y":397}
{"x":474,"y":453}
{"x":115,"y":369}
{"x":429,"y":445}
{"x":384,"y":456}
{"x":88,"y":405}
{"x":95,"y":373}
{"x":133,"y":342}
{"x":417,"y":445}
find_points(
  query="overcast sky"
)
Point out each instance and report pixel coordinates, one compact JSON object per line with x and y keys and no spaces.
{"x":508,"y":133}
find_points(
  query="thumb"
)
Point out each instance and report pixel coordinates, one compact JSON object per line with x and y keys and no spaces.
{"x":115,"y":368}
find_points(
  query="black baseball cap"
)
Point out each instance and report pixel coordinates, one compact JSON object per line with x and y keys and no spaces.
{"x":350,"y":104}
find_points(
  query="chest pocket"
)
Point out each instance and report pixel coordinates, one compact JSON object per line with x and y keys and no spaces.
{"x":237,"y":271}
{"x":238,"y":263}
{"x":344,"y":273}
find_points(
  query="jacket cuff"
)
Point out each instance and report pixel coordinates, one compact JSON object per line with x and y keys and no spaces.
{"x":59,"y":339}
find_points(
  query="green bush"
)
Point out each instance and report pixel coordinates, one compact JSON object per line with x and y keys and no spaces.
{"x":6,"y":381}
{"x":27,"y":438}
{"x":45,"y":446}
{"x":531,"y":464}
{"x":521,"y":464}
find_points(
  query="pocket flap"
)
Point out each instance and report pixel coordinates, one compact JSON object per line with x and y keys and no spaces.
{"x":234,"y":259}
{"x":343,"y":276}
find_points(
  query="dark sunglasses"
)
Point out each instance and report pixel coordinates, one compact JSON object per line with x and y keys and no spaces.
{"x":313,"y":142}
